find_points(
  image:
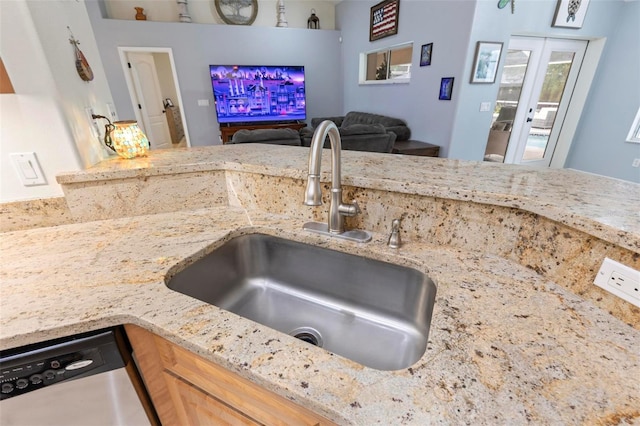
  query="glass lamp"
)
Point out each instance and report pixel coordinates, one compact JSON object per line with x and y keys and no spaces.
{"x":128,"y":140}
{"x":124,"y":138}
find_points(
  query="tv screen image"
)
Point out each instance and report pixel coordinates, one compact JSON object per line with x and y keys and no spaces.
{"x":258,"y":93}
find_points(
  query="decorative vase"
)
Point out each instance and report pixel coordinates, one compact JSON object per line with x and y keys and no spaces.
{"x":140,"y":16}
{"x":183,"y":11}
{"x":282,"y":20}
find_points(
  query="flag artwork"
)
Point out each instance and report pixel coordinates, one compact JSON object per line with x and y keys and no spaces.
{"x":384,"y":19}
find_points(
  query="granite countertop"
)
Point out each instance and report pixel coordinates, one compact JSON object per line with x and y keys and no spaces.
{"x":600,"y":206}
{"x":506,"y":345}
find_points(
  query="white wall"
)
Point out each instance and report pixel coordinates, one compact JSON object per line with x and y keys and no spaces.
{"x":74,"y":93}
{"x":30,"y":120}
{"x":297,"y":12}
{"x":165,"y":76}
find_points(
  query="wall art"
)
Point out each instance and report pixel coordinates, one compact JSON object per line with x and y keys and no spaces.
{"x":384,"y":19}
{"x":485,"y":62}
{"x":570,"y":13}
{"x":425,"y":54}
{"x":446,"y":88}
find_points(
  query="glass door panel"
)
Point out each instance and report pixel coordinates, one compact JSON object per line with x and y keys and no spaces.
{"x":513,"y":74}
{"x":555,"y":80}
{"x":535,"y":90}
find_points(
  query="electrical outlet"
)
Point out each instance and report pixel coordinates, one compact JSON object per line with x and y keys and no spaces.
{"x":112,"y":112}
{"x":636,"y":162}
{"x":620,"y":280}
{"x":95,"y":127}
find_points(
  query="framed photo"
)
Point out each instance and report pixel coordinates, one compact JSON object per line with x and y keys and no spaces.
{"x":384,"y":19}
{"x":446,"y":88}
{"x":485,"y":63}
{"x":425,"y":54}
{"x":570,"y":13}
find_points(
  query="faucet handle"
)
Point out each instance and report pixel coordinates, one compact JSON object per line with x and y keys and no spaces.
{"x":394,"y":238}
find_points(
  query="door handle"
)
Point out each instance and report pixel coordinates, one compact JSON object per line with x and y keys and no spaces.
{"x":529,"y":119}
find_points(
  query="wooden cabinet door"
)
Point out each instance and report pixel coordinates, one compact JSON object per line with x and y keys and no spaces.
{"x":187,"y":389}
{"x":195,"y":407}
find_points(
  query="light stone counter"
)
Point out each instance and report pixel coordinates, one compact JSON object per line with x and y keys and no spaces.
{"x":507,"y":345}
{"x":603,"y":207}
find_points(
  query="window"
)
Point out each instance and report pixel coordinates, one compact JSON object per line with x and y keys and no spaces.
{"x":390,"y":65}
{"x":634,"y":132}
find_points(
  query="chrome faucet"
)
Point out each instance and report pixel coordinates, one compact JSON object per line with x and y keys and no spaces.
{"x":313,"y":193}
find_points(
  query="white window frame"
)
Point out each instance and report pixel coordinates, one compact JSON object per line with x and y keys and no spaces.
{"x":362,"y":77}
{"x":634,"y":132}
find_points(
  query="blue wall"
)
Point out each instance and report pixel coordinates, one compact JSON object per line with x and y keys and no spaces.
{"x":446,"y":24}
{"x":599,"y":145}
{"x":196,"y":46}
{"x":455,"y":26}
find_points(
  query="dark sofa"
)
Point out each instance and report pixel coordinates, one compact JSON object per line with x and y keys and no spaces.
{"x":271,"y":136}
{"x":362,"y":131}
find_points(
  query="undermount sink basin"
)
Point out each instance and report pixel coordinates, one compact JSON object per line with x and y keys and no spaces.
{"x":375,"y":313}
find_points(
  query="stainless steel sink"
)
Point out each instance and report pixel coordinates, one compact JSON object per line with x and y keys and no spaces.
{"x":375,"y":313}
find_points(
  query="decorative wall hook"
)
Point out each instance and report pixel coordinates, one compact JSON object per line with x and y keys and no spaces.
{"x":82,"y":66}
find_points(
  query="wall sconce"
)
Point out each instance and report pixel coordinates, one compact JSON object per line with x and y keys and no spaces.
{"x":313,"y":22}
{"x":124,"y":138}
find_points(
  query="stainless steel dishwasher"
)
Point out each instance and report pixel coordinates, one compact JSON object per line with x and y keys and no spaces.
{"x":84,"y":380}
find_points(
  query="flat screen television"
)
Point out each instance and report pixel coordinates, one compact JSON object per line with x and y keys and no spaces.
{"x":258,"y":93}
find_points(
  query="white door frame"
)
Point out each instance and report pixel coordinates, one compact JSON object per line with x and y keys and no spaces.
{"x":122,"y":52}
{"x":540,"y":49}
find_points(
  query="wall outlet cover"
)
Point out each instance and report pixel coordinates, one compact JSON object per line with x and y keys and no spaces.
{"x":93,"y":123}
{"x":620,"y":280}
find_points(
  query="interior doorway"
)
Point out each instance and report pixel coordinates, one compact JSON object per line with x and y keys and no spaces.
{"x":155,"y":95}
{"x":538,"y":80}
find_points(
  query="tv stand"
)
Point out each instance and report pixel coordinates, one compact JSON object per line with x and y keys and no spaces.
{"x":226,"y":132}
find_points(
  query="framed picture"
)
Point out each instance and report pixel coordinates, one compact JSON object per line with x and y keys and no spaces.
{"x":425,"y":54}
{"x":570,"y":13}
{"x":485,"y":63}
{"x":446,"y":88}
{"x":384,"y":19}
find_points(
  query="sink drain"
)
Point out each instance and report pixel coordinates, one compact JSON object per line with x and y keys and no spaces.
{"x":308,"y":334}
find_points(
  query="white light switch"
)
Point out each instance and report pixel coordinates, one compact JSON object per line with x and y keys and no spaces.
{"x":485,"y":106}
{"x":28,"y":168}
{"x":203,"y":102}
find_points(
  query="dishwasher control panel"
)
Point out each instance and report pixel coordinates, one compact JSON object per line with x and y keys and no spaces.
{"x":16,"y":379}
{"x":33,"y":367}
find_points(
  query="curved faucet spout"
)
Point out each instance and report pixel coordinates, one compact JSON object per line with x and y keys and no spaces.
{"x":313,"y":193}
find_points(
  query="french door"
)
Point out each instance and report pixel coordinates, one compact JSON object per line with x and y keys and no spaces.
{"x":537,"y":83}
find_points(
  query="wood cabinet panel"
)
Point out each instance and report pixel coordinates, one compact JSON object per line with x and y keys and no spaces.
{"x":216,"y":386}
{"x":150,"y":366}
{"x":195,"y":407}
